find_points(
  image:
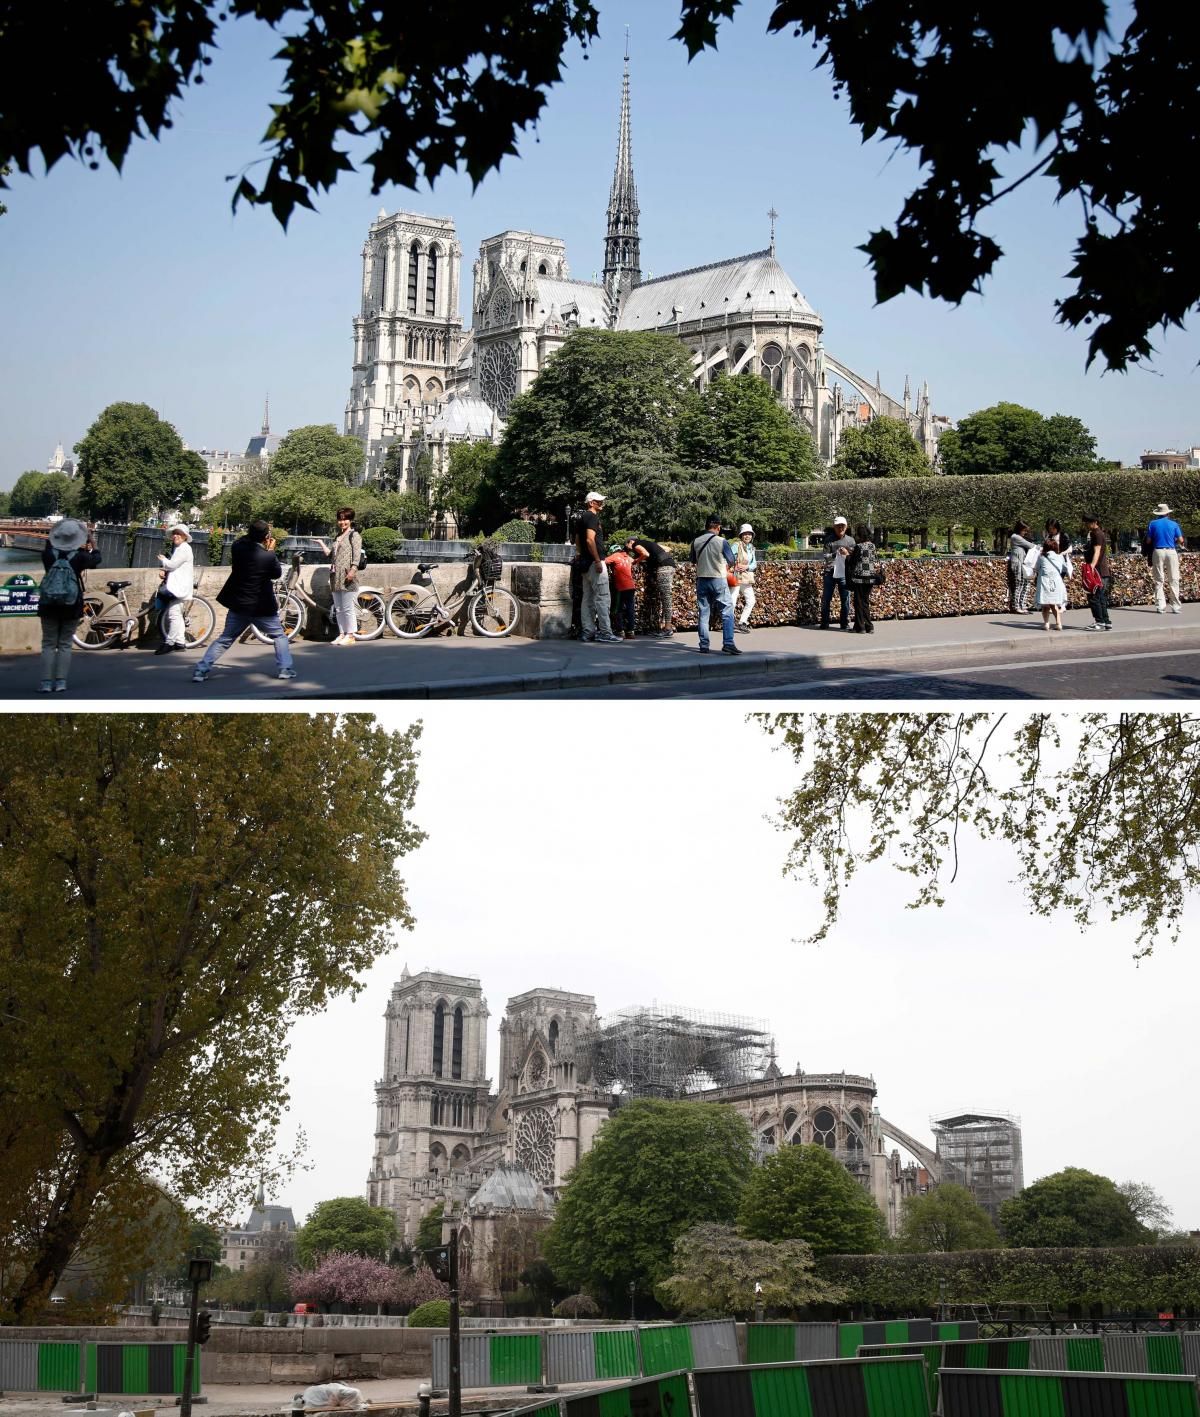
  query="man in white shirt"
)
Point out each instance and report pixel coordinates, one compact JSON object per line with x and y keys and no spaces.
{"x":837,"y":547}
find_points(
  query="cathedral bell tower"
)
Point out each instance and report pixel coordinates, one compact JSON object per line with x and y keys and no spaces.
{"x":622,"y":247}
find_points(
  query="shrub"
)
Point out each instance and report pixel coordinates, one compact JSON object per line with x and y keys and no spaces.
{"x":515,"y":530}
{"x":380,"y":543}
{"x":577,"y":1306}
{"x":434,"y":1314}
{"x":257,"y":1319}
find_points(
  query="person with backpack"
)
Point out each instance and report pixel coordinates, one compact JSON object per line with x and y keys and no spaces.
{"x":1019,"y":546}
{"x":249,"y":597}
{"x":745,"y":568}
{"x":659,"y":572}
{"x":346,"y":559}
{"x":68,"y":552}
{"x":620,"y":564}
{"x":713,"y":559}
{"x":1096,"y":572}
{"x":1053,"y":572}
{"x":178,"y":585}
{"x":863,"y":572}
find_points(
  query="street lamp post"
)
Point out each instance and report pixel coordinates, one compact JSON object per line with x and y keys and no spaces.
{"x":632,"y":1292}
{"x":455,"y":1403}
{"x":199,"y":1272}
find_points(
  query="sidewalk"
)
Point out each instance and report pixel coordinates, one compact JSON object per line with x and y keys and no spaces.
{"x":465,"y":667}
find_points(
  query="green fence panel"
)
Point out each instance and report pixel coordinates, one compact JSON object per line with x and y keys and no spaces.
{"x":849,"y":1337}
{"x":896,"y":1331}
{"x":516,"y":1359}
{"x":135,"y":1368}
{"x":1164,"y":1353}
{"x":58,"y":1367}
{"x":895,"y":1388}
{"x":1085,"y":1355}
{"x":666,"y":1349}
{"x":770,"y":1343}
{"x":1159,"y":1399}
{"x":617,"y":1354}
{"x":180,"y":1356}
{"x":1031,"y":1395}
{"x":946,"y":1333}
{"x":780,"y":1392}
{"x":668,"y":1397}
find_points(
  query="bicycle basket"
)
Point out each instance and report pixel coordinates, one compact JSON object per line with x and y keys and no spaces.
{"x":491,"y":563}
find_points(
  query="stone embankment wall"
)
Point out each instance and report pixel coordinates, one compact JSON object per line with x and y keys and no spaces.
{"x":788,"y":592}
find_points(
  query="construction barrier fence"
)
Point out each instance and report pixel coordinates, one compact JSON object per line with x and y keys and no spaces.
{"x":139,"y":1369}
{"x":799,"y":1343}
{"x":986,"y":1392}
{"x":885,"y":1387}
{"x":663,"y":1396}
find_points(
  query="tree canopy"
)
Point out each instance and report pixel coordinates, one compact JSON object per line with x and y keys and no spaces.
{"x":1070,"y":1208}
{"x":1147,"y":1207}
{"x":1105,"y":112}
{"x":1119,"y":787}
{"x":318,"y":450}
{"x":466,"y":487}
{"x":131,"y":460}
{"x":1011,"y":438}
{"x":738,"y":423}
{"x":945,"y":1219}
{"x":162,"y":922}
{"x":714,"y":1271}
{"x":429,"y":1231}
{"x":348,"y":1225}
{"x":882,"y":448}
{"x":657,"y":1169}
{"x":657,"y":495}
{"x":805,"y":1193}
{"x":604,"y":395}
{"x":37,"y":494}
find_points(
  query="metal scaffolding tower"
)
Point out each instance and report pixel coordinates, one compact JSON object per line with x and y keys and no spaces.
{"x":663,"y":1051}
{"x":982,"y":1151}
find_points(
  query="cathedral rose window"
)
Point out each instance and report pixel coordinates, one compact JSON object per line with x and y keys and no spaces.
{"x":537,"y":1070}
{"x":499,"y":377}
{"x":535,"y":1144}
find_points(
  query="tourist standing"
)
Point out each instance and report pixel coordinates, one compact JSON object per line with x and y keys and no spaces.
{"x":620,"y":563}
{"x":177,"y":587}
{"x":861,"y":571}
{"x":659,"y":573}
{"x":744,"y":568}
{"x":1019,"y":545}
{"x":838,"y":546}
{"x":1164,"y":538}
{"x":1052,"y":572}
{"x":343,"y":575}
{"x":595,"y":623}
{"x":1097,"y":572}
{"x":713,"y":558}
{"x":249,"y":597}
{"x":68,"y":552}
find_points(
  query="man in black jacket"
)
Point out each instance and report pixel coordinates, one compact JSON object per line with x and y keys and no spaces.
{"x":249,"y":597}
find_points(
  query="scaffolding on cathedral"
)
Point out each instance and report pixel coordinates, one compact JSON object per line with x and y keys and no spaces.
{"x":669,"y":1052}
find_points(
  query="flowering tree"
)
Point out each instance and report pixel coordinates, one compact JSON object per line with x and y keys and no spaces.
{"x":356,"y":1279}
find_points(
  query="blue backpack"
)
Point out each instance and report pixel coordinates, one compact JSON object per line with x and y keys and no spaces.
{"x":60,"y":586}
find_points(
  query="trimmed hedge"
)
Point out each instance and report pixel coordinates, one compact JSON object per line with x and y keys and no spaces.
{"x":1123,"y":500}
{"x":1139,"y":1277}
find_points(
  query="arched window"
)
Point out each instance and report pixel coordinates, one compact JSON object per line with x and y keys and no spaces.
{"x":412,"y":344}
{"x":435,"y":1109}
{"x":789,"y":1119}
{"x":383,"y":278}
{"x":825,"y":1129}
{"x":542,"y":269}
{"x":407,"y":1038}
{"x":413,"y":252}
{"x":772,"y":366}
{"x":456,"y":1054}
{"x":431,"y":263}
{"x":439,"y":1033}
{"x":552,"y":1036}
{"x":458,"y":1109}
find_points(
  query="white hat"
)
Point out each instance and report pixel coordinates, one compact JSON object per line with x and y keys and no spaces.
{"x":1162,"y":510}
{"x":68,"y":535}
{"x":745,"y":526}
{"x":594,"y":497}
{"x":182,"y":529}
{"x":840,"y":520}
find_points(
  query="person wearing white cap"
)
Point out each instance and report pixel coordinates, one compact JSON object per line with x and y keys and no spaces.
{"x":1163,"y":543}
{"x":590,"y":546}
{"x":177,"y":587}
{"x":744,"y":567}
{"x":67,"y":554}
{"x":838,"y":546}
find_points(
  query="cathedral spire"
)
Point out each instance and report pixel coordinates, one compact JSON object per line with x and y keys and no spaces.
{"x":622,"y":248}
{"x":266,"y":428}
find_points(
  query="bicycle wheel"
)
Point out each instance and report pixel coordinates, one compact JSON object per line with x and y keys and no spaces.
{"x":369,"y":612}
{"x":409,"y":614}
{"x":199,"y":622}
{"x":101,"y":625}
{"x":494,"y":612}
{"x":291,"y":617}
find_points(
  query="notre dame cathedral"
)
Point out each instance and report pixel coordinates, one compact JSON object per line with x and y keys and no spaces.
{"x":443,"y":1135}
{"x":422,"y":382}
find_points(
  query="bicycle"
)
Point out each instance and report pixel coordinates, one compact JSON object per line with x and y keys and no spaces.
{"x":295,"y":599}
{"x":417,"y":610}
{"x":109,"y":619}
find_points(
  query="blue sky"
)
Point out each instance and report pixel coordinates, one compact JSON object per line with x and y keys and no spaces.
{"x":144,"y":286}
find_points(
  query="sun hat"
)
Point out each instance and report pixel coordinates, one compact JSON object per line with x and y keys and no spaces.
{"x":745,"y":526}
{"x":594,"y":497}
{"x":68,"y":535}
{"x":840,"y":520}
{"x":182,"y":529}
{"x":1162,"y":510}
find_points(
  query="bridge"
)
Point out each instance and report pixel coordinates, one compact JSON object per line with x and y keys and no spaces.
{"x":27,"y":535}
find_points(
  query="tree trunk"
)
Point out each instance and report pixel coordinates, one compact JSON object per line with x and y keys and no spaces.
{"x":60,"y":1239}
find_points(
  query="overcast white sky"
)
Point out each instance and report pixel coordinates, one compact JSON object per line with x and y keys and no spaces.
{"x":679,"y":898}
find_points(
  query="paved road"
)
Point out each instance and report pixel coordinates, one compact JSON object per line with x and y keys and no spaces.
{"x":977,"y":656}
